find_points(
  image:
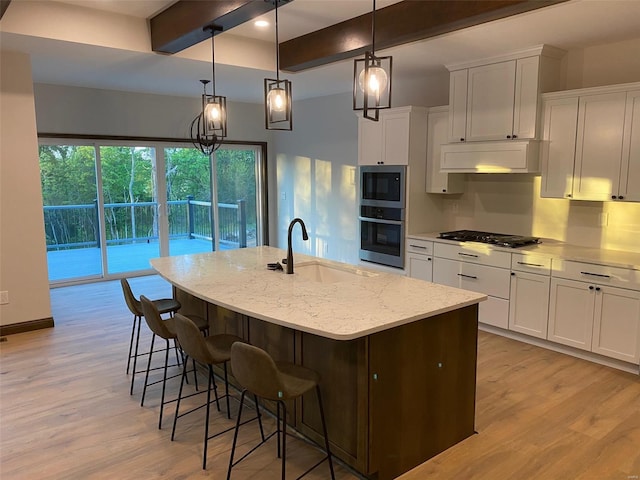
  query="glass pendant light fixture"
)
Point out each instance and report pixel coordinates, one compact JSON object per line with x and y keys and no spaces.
{"x":209,"y":128}
{"x":277,"y":95}
{"x":372,"y":79}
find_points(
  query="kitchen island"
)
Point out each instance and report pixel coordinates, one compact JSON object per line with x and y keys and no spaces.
{"x":397,"y":356}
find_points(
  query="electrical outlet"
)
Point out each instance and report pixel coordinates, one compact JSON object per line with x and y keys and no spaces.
{"x":4,"y":297}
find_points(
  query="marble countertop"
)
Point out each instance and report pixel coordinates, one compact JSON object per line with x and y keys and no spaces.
{"x":369,"y":302}
{"x":565,"y":251}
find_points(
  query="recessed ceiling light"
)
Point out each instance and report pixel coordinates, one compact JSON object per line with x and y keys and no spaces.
{"x":261,"y":23}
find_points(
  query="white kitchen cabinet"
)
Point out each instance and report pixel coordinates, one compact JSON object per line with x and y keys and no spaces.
{"x":529,"y":294}
{"x":437,"y":182}
{"x":397,"y":138}
{"x":498,"y":99}
{"x":529,"y":304}
{"x":596,"y":308}
{"x":419,"y":263}
{"x":558,"y":149}
{"x":479,"y":271}
{"x":571,"y":313}
{"x":590,"y":148}
{"x":616,"y":325}
{"x":597,"y":318}
{"x":599,"y":146}
{"x":629,"y":188}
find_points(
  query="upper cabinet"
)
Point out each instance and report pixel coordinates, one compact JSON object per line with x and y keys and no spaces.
{"x":436,"y":181}
{"x":498,"y":98}
{"x":590,"y":148}
{"x":398,"y":138}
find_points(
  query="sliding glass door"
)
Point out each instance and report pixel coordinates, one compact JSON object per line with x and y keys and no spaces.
{"x":111,"y":207}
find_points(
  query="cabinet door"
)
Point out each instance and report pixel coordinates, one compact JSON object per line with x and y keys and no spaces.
{"x":630,"y":172}
{"x":420,"y":266}
{"x":458,"y":105}
{"x":369,"y":142}
{"x":490,"y":101}
{"x":395,"y":141}
{"x":571,"y":309}
{"x":437,"y":125}
{"x":558,"y":147}
{"x":599,"y":146}
{"x":529,"y":304}
{"x":616,"y":326}
{"x":525,"y":109}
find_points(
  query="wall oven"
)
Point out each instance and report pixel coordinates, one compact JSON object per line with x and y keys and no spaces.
{"x":382,"y":235}
{"x":383,"y":186}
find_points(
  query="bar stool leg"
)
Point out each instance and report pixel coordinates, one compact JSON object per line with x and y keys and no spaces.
{"x":235,"y":434}
{"x":135,"y":354}
{"x":175,"y":419}
{"x":164,"y":382}
{"x":324,"y":431}
{"x":133,"y":334}
{"x":146,"y":377}
{"x":284,"y":438}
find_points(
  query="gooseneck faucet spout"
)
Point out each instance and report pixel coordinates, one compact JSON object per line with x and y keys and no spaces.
{"x":289,"y":250}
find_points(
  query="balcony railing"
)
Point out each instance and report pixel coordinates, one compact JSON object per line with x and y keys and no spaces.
{"x":76,"y":226}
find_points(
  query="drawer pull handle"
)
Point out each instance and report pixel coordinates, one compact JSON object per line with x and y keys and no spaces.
{"x":467,"y":255}
{"x":467,"y":276}
{"x":530,"y":264}
{"x":596,"y":274}
{"x":418,"y":246}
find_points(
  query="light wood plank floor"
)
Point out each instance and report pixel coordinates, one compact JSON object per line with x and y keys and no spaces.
{"x":66,"y":413}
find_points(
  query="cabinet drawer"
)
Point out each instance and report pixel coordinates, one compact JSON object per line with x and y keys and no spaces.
{"x":424,"y":247}
{"x":469,"y":276}
{"x":474,"y":253}
{"x":523,"y":262}
{"x":600,"y":274}
{"x":494,"y":311}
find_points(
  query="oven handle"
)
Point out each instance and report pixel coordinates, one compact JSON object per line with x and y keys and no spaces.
{"x":379,"y":220}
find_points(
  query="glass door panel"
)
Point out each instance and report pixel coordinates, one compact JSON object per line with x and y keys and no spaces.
{"x":237,"y":182}
{"x":130,"y":205}
{"x":188,"y":178}
{"x":71,"y":215}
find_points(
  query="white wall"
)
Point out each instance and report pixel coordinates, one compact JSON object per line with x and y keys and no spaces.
{"x":23,"y":263}
{"x":512,"y":204}
{"x":316,"y":166}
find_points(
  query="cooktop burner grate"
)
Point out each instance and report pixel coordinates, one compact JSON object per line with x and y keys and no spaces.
{"x":499,"y":239}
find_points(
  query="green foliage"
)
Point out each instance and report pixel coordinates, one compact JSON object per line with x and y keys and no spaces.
{"x":68,"y":177}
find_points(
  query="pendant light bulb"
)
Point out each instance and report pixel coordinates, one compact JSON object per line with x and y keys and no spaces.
{"x":212,"y":112}
{"x":277,"y":100}
{"x":377,"y":82}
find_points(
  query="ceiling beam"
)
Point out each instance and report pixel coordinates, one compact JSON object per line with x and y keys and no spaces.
{"x":4,"y":4}
{"x":397,"y":24}
{"x":182,"y":24}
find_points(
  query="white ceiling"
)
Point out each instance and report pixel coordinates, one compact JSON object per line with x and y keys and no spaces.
{"x":572,"y":25}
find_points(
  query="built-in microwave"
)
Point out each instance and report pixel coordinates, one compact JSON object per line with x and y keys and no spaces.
{"x":383,"y":185}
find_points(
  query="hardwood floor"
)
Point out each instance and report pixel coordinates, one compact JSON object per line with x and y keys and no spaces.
{"x":66,"y":413}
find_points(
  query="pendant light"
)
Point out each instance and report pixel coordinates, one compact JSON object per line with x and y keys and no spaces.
{"x":209,"y":128}
{"x":372,"y":79}
{"x":277,"y":95}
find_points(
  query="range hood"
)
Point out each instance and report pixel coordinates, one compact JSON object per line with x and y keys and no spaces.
{"x":513,"y":156}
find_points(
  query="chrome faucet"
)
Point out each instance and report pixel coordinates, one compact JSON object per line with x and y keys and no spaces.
{"x":289,"y":251}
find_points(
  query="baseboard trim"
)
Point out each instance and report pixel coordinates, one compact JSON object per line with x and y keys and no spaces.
{"x":26,"y":326}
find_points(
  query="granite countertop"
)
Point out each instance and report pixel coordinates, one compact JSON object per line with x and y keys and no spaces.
{"x":557,"y":249}
{"x":369,"y":302}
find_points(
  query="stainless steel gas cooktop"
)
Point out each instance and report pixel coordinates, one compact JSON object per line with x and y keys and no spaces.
{"x":499,"y":239}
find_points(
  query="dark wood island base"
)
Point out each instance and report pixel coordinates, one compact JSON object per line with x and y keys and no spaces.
{"x":393,"y":399}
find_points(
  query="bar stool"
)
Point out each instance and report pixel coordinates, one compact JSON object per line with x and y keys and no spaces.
{"x":166,"y":330}
{"x":208,"y":351}
{"x":164,"y":305}
{"x":257,"y":373}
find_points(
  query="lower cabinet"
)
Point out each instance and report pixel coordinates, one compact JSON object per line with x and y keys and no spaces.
{"x":597,"y":318}
{"x":419,"y":262}
{"x":529,"y":296}
{"x":492,"y":281}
